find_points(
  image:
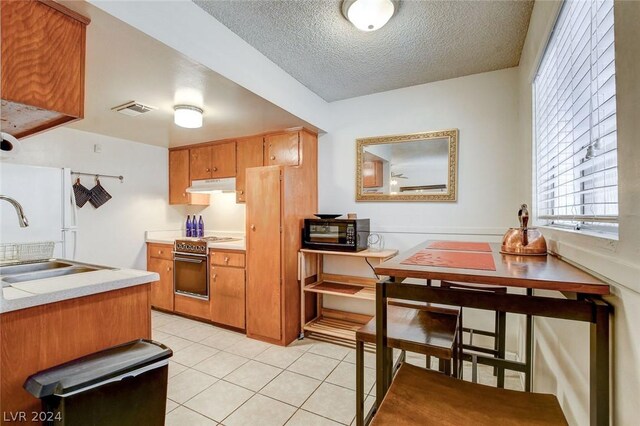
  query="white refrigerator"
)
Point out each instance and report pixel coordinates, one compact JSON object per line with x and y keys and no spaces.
{"x":46,"y":196}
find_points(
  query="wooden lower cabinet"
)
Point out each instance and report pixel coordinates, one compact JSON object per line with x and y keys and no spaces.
{"x":37,"y":338}
{"x":161,"y":291}
{"x":226,"y":304}
{"x":227,"y":290}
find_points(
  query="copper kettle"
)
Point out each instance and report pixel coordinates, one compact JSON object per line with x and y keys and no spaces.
{"x":524,"y":240}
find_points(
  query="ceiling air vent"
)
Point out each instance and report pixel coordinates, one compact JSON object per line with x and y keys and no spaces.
{"x":133,"y":108}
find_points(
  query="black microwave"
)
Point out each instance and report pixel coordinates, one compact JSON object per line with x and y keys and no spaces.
{"x":335,"y":234}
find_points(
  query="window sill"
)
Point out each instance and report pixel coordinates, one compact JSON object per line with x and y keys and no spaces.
{"x":609,"y":238}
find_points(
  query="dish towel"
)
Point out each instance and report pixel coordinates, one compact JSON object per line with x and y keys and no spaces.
{"x":81,"y":193}
{"x":99,"y":195}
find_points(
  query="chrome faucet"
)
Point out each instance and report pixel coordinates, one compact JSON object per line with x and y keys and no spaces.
{"x":21,"y":217}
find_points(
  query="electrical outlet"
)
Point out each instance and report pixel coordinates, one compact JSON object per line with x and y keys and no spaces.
{"x":97,"y":148}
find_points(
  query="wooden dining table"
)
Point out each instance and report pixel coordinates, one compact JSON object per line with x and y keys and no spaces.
{"x":580,"y":300}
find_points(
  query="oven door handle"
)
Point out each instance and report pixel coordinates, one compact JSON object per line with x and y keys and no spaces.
{"x":186,"y":259}
{"x":180,"y":253}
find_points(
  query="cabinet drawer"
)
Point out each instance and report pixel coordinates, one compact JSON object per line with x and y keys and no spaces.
{"x":160,"y":251}
{"x":227,"y":258}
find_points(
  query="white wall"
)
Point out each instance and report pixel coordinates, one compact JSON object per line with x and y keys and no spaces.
{"x":484,"y":109}
{"x":222,"y":214}
{"x":561,"y":347}
{"x":114,"y":233}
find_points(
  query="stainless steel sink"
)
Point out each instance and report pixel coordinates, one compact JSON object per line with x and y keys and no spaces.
{"x":18,"y":278}
{"x":12,"y":274}
{"x":32,"y":267}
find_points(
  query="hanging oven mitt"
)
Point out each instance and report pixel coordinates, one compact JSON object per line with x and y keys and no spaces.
{"x":99,"y":195}
{"x":81,"y":193}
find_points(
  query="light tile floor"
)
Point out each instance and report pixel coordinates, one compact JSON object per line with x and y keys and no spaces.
{"x":220,"y":377}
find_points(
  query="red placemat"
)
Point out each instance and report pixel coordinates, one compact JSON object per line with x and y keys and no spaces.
{"x":459,"y":245}
{"x":452,"y":259}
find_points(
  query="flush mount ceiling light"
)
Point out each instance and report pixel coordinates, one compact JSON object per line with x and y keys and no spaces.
{"x":369,"y":15}
{"x":187,"y":116}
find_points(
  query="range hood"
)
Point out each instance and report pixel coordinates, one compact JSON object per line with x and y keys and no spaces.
{"x":208,"y":186}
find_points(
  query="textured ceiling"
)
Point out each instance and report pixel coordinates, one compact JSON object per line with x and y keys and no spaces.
{"x":425,"y":41}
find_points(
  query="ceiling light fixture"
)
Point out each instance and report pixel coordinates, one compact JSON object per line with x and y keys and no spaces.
{"x":369,"y":15}
{"x":187,"y":116}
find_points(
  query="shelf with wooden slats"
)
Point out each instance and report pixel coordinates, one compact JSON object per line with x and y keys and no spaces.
{"x":330,"y":324}
{"x":337,"y":324}
{"x":344,"y":286}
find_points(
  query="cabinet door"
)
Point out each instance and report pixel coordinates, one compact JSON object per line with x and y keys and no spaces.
{"x":43,"y":57}
{"x":179,"y":180}
{"x":263,"y":252}
{"x":372,"y":174}
{"x":223,"y":160}
{"x":249,"y":155}
{"x":162,"y":291}
{"x":200,"y":163}
{"x":227,"y":296}
{"x":282,"y":150}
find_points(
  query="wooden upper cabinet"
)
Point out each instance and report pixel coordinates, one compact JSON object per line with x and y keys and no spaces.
{"x":43,"y":66}
{"x":223,"y":160}
{"x":179,"y":180}
{"x":372,"y":174}
{"x":282,"y":150}
{"x":200,"y":163}
{"x":249,"y":154}
{"x":213,"y":161}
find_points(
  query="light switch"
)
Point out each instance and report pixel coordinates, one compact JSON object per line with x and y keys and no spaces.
{"x":97,"y":148}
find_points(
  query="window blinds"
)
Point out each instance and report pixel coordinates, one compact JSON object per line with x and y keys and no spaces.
{"x":574,"y":96}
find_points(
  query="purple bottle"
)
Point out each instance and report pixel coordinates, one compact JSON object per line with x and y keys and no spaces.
{"x":189,"y":225}
{"x":200,"y":226}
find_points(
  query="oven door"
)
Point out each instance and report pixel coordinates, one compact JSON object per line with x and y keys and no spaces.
{"x":191,"y":275}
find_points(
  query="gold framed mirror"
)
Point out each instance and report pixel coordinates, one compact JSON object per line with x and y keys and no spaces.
{"x":412,"y":167}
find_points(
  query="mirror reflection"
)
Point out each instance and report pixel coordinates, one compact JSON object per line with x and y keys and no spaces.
{"x":418,"y":167}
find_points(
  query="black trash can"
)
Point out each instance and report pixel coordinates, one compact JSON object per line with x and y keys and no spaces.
{"x":122,"y":385}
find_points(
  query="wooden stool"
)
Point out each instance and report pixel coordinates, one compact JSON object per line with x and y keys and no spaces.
{"x":418,"y":328}
{"x":422,"y":397}
{"x":498,"y":334}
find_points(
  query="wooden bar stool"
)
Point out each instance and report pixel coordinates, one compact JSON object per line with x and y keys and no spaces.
{"x":413,"y":327}
{"x":498,"y":334}
{"x":421,"y":397}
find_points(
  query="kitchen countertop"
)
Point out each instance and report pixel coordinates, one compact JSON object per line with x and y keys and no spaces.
{"x":169,"y":237}
{"x":55,"y":289}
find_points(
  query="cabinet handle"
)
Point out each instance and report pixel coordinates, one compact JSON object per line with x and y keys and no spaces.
{"x":226,"y":259}
{"x":253,"y":227}
{"x":208,"y":169}
{"x":159,"y":251}
{"x":273,"y":157}
{"x":240,"y":192}
{"x":214,"y":277}
{"x":169,"y":269}
{"x":215,"y":169}
{"x":184,"y":194}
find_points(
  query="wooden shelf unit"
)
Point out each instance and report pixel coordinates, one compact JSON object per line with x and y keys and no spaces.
{"x":331,"y":324}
